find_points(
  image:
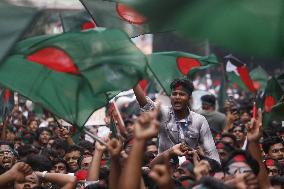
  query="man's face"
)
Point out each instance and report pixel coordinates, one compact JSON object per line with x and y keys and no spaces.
{"x":33,"y":126}
{"x":153,"y":149}
{"x":223,"y":154}
{"x":30,"y":182}
{"x":272,"y":171}
{"x":276,"y":151}
{"x":85,"y":164}
{"x":44,"y":137}
{"x":72,"y":160}
{"x":239,"y":134}
{"x":228,"y":140}
{"x":59,"y":168}
{"x":179,"y":100}
{"x":7,"y":158}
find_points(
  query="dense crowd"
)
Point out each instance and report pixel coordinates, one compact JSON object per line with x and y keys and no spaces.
{"x":38,"y":152}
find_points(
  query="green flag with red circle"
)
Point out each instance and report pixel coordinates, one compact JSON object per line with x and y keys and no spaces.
{"x":273,"y":93}
{"x":114,"y":14}
{"x":73,"y":74}
{"x":167,"y":66}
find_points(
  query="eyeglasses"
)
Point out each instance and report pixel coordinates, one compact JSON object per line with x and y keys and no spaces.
{"x":6,"y":153}
{"x":236,"y":169}
{"x":278,"y":150}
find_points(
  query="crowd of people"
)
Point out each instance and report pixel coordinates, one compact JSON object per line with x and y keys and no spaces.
{"x":164,"y":147}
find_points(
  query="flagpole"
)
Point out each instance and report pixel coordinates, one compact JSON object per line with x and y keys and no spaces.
{"x":88,"y":11}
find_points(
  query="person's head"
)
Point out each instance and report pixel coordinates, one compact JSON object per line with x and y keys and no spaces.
{"x":7,"y":156}
{"x":181,"y":94}
{"x":277,"y":182}
{"x":87,"y":146}
{"x":72,"y":156}
{"x":274,"y":148}
{"x":86,"y":162}
{"x":43,"y":135}
{"x":272,"y":167}
{"x":151,"y":146}
{"x":60,"y":146}
{"x":240,"y":133}
{"x":224,"y":150}
{"x":30,"y":181}
{"x":32,"y":124}
{"x":229,"y":138}
{"x":129,"y":125}
{"x":39,"y":162}
{"x":208,"y":102}
{"x":245,"y":117}
{"x":184,"y":170}
{"x":59,"y":166}
{"x":240,"y":161}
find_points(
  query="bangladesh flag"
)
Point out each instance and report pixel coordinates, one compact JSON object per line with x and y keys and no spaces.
{"x":277,"y":111}
{"x":259,"y":77}
{"x":6,"y":102}
{"x":167,"y":66}
{"x":238,"y":73}
{"x":273,"y":93}
{"x":14,"y":21}
{"x":113,"y":14}
{"x":73,"y":74}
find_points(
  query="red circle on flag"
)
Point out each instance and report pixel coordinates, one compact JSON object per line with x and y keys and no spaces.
{"x":55,"y":59}
{"x":88,"y":25}
{"x":185,"y":64}
{"x":268,"y":103}
{"x":129,"y":14}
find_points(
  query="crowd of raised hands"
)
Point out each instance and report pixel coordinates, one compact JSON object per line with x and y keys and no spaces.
{"x":127,"y":162}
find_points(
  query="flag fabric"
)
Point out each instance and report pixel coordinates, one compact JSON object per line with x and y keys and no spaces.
{"x":272,"y":94}
{"x":114,"y":14}
{"x":222,"y":94}
{"x":243,"y":26}
{"x":73,"y":74}
{"x":6,"y":102}
{"x":277,"y":111}
{"x":167,"y":66}
{"x":14,"y":21}
{"x":259,"y":77}
{"x":76,"y":21}
{"x":238,"y":73}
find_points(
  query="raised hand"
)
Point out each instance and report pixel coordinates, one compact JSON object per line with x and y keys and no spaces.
{"x":100,"y":147}
{"x":201,"y":169}
{"x":20,"y":170}
{"x":147,"y":125}
{"x":64,"y":133}
{"x":161,"y":175}
{"x":180,"y":149}
{"x":254,"y":128}
{"x":114,"y":147}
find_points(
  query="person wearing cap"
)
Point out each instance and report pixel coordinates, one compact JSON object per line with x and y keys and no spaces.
{"x":178,"y":124}
{"x":216,"y":120}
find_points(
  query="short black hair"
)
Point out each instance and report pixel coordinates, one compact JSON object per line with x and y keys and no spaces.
{"x":269,"y":142}
{"x":230,"y":135}
{"x":42,"y":129}
{"x":277,"y":181}
{"x":209,"y":99}
{"x":183,"y":82}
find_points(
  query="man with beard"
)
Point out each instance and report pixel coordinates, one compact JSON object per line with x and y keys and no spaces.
{"x":275,"y":149}
{"x":7,"y":156}
{"x":178,"y":123}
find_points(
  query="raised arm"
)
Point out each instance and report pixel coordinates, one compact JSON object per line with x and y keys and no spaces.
{"x":93,"y":172}
{"x":146,"y":127}
{"x":254,"y":133}
{"x":114,"y":148}
{"x":65,"y":181}
{"x":140,"y":97}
